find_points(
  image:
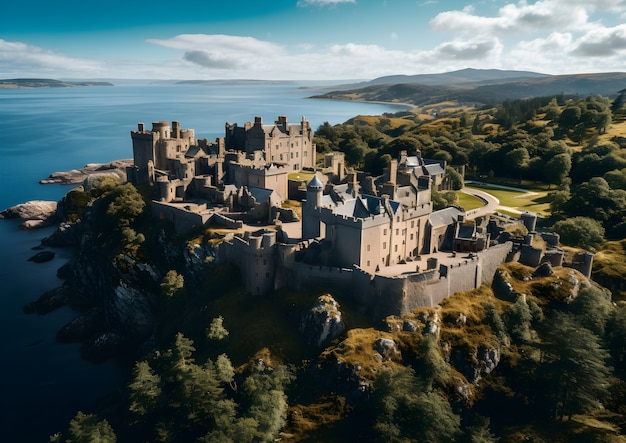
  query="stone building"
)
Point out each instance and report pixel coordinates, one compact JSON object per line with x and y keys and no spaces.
{"x":254,"y":155}
{"x":280,"y":142}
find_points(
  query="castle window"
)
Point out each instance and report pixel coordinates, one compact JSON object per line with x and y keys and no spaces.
{"x":296,"y":155}
{"x":264,"y":262}
{"x":267,"y":275}
{"x":384,"y":245}
{"x":305,"y":153}
{"x":368,"y":263}
{"x":397,"y":231}
{"x":281,"y":157}
{"x":411,"y":236}
{"x":292,"y":155}
{"x":384,"y":232}
{"x":368,"y":248}
{"x":412,"y":223}
{"x":395,"y":248}
{"x":295,"y":167}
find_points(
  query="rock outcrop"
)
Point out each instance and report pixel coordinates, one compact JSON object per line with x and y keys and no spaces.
{"x":42,"y":257}
{"x":35,"y":213}
{"x":77,"y":176}
{"x":322,"y":322}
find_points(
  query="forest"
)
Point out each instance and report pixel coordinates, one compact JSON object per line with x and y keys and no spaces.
{"x":542,"y":361}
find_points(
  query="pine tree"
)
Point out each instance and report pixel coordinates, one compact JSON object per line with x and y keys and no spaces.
{"x":576,"y":365}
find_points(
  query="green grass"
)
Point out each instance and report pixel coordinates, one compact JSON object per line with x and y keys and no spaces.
{"x":532,"y":201}
{"x":301,"y":176}
{"x":468,"y":202}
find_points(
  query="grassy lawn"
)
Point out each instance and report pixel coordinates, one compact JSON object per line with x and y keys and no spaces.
{"x":532,"y":201}
{"x":469,"y":202}
{"x":301,"y":176}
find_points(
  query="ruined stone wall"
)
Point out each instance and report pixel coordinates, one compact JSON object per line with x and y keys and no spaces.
{"x":530,"y":256}
{"x":183,"y":220}
{"x":255,"y":256}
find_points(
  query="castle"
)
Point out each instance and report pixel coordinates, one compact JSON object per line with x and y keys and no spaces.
{"x":377,"y":239}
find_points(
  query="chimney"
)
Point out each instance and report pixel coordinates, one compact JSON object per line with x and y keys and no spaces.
{"x":393,"y":171}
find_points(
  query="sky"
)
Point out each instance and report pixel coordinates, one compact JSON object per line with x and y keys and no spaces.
{"x":306,"y":39}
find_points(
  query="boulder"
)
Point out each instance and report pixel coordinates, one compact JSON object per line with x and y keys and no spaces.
{"x":501,"y":286}
{"x":32,"y":210}
{"x":48,"y":302}
{"x":42,"y":257}
{"x":544,"y":270}
{"x":33,"y":224}
{"x":387,"y":349}
{"x":322,"y":322}
{"x":81,"y":328}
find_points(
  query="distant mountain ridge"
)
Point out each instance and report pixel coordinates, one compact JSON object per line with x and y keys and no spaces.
{"x":468,"y":75}
{"x":486,"y":87}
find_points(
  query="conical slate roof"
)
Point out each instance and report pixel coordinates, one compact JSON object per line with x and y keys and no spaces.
{"x":315,"y":183}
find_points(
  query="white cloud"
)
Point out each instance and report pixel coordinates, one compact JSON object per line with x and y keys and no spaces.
{"x":226,"y":52}
{"x":224,"y":45}
{"x":603,"y":42}
{"x":511,"y":18}
{"x":473,"y":50}
{"x":20,"y":59}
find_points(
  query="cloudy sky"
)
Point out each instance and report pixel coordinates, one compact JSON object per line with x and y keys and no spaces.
{"x":307,"y":39}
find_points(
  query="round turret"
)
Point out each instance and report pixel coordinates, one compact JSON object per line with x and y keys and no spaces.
{"x":315,"y":184}
{"x":311,"y":223}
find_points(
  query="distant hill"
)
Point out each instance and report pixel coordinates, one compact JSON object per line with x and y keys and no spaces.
{"x":15,"y":83}
{"x":463,"y":76}
{"x":486,"y":87}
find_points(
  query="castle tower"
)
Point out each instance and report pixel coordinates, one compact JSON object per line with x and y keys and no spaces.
{"x":311,"y":224}
{"x":529,"y":220}
{"x":144,"y":154}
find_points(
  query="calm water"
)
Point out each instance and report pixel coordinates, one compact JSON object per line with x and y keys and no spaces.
{"x":47,"y":130}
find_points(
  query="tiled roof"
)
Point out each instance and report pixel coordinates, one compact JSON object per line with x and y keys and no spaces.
{"x":444,"y":217}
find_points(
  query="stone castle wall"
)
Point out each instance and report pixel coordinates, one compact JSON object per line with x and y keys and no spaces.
{"x":398,"y":295}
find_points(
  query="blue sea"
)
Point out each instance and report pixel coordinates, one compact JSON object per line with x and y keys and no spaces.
{"x":42,"y":131}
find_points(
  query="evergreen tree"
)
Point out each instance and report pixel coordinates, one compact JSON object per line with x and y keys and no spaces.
{"x":593,"y":307}
{"x":145,"y":389}
{"x":576,"y":366}
{"x":403,"y":412}
{"x":87,"y":428}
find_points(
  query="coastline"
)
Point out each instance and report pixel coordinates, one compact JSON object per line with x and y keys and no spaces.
{"x":409,"y":106}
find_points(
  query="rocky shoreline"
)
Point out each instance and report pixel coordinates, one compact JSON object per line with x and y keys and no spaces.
{"x":77,"y":176}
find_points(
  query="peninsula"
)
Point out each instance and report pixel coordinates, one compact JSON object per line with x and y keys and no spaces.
{"x":29,"y":83}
